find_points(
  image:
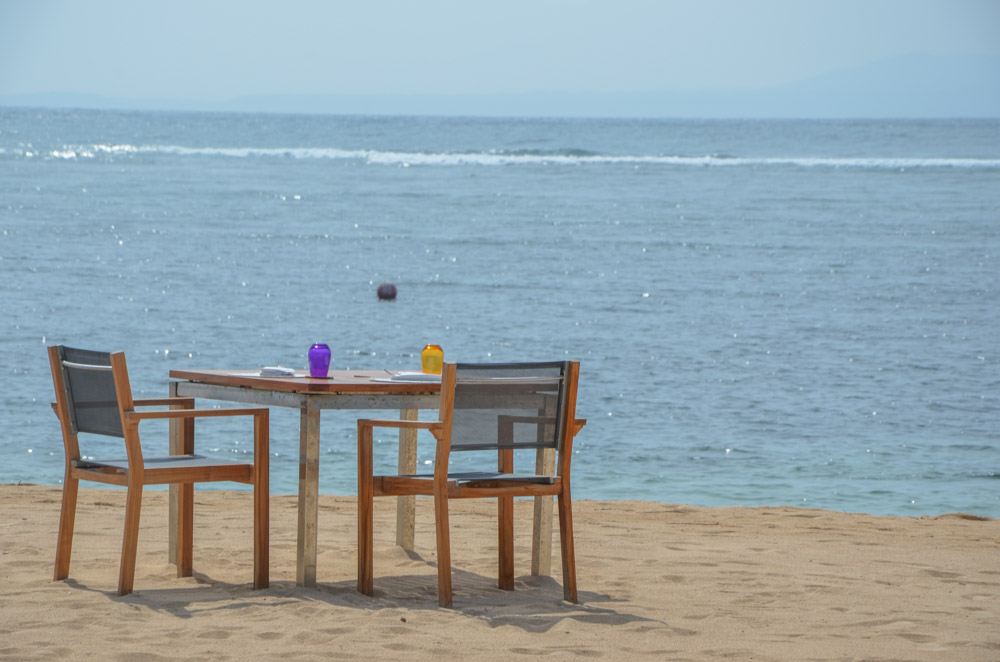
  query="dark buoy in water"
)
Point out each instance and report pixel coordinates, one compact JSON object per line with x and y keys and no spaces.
{"x":386,"y":291}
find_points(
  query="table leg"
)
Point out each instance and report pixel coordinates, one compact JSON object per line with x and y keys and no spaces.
{"x":407,"y":464}
{"x":305,"y":565}
{"x":541,"y":537}
{"x":174,"y":441}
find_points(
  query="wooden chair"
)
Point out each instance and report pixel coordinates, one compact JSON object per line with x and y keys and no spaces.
{"x":498,"y":407}
{"x":93,"y":395}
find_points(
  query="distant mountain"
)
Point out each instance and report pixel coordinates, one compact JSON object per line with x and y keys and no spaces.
{"x":901,"y":87}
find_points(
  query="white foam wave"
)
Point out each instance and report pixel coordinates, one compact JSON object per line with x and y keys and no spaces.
{"x":85,"y":151}
{"x":500,"y":158}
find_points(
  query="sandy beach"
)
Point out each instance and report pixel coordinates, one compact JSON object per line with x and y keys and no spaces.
{"x":657,"y":581}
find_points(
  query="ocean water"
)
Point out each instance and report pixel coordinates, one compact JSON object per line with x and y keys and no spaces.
{"x":800,"y":313}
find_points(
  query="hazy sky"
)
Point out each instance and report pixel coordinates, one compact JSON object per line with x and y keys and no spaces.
{"x":218,"y":50}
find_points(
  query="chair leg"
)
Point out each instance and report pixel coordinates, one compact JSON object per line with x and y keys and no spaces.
{"x":505,"y":515}
{"x":261,"y":537}
{"x":130,"y":538}
{"x":185,"y":530}
{"x":505,"y":525}
{"x":366,"y":504}
{"x":443,"y":549}
{"x":67,"y":517}
{"x":261,"y":503}
{"x":566,"y":543}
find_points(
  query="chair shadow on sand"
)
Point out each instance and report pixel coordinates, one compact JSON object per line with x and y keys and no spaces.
{"x":535,"y":605}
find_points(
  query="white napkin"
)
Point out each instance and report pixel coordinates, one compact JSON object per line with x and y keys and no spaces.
{"x":415,"y":377}
{"x":276,"y":371}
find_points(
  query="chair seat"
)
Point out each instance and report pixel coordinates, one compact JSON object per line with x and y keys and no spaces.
{"x":466,"y":478}
{"x":162,"y":462}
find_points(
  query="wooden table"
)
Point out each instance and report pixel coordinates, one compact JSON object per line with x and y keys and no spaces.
{"x":343,"y":389}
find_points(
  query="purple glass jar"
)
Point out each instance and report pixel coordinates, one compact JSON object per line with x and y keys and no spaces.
{"x":319,"y":360}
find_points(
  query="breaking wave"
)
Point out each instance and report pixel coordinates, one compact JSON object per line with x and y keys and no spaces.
{"x":569,"y":157}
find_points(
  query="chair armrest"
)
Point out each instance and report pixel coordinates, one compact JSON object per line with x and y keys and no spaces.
{"x":194,"y":413}
{"x":402,"y":424}
{"x":577,"y":423}
{"x":436,"y":428}
{"x":528,"y":419}
{"x":153,"y":402}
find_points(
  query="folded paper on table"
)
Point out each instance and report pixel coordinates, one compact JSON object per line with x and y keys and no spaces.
{"x":276,"y":371}
{"x":412,"y":377}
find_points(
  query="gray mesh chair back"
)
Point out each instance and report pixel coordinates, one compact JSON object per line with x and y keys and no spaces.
{"x":508,"y":406}
{"x":90,"y":392}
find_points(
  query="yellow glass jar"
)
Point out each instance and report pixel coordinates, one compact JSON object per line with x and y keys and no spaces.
{"x":431,"y":359}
